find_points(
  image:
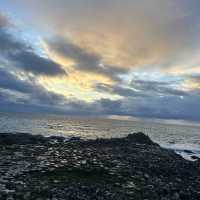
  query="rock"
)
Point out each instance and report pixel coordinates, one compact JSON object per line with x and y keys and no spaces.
{"x":140,"y":138}
{"x":75,"y":139}
{"x":195,"y":157}
{"x":176,"y":196}
{"x":188,"y":151}
{"x":128,"y":168}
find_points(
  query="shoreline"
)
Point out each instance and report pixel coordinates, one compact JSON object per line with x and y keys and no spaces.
{"x":189,"y":153}
{"x":133,"y":167}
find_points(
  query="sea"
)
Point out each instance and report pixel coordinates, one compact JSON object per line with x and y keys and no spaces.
{"x":181,"y":136}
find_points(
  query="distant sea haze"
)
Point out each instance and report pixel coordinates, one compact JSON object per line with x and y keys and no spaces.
{"x":179,"y":137}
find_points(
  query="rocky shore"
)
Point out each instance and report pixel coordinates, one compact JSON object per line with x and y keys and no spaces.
{"x":39,"y":168}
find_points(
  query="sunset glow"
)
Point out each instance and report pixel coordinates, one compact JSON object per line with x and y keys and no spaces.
{"x":109,"y":57}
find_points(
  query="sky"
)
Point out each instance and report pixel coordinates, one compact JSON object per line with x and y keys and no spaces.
{"x":109,"y":57}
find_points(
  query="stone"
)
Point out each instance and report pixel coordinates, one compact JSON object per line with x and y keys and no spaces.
{"x":119,"y":168}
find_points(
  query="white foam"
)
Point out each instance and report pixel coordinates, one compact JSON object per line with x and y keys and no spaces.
{"x":188,"y":156}
{"x":187,"y":151}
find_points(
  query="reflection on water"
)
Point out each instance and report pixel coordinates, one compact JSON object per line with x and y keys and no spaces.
{"x":171,"y":135}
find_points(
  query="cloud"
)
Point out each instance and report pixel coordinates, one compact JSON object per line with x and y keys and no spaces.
{"x":29,"y":96}
{"x":110,"y":39}
{"x":4,"y":22}
{"x":169,"y":107}
{"x":154,"y":99}
{"x":143,"y":89}
{"x":10,"y":82}
{"x":118,"y":90}
{"x":84,"y":60}
{"x":27,"y":90}
{"x":130,"y":33}
{"x":31,"y":62}
{"x":22,"y":56}
{"x":160,"y":88}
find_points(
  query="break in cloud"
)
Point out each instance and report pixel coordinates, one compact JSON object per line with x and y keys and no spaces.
{"x":130,"y":33}
{"x":22,"y":56}
{"x":108,"y":57}
{"x":83,"y":60}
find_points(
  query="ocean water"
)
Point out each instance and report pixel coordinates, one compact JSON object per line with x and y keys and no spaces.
{"x":176,"y":135}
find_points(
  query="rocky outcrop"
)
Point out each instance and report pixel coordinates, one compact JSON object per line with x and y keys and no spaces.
{"x":33,"y":167}
{"x":25,"y":138}
{"x":140,"y":138}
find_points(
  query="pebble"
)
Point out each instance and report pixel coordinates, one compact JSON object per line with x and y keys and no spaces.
{"x":33,"y":167}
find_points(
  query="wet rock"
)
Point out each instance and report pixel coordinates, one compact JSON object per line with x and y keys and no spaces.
{"x":195,"y":157}
{"x":188,"y":151}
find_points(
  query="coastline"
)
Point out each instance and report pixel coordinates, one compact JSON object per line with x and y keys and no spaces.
{"x":133,"y":167}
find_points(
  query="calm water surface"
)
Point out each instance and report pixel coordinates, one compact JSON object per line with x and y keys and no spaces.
{"x":175,"y":136}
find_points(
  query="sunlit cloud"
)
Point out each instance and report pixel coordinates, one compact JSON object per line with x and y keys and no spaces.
{"x":129,"y":33}
{"x":113,"y":57}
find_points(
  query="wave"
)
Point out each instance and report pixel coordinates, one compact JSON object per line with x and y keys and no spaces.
{"x":189,"y":152}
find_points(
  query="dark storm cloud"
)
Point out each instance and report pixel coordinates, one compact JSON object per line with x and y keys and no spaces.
{"x":9,"y":81}
{"x":31,"y":62}
{"x":142,"y":32}
{"x":109,"y":107}
{"x":141,"y":88}
{"x":23,"y":56}
{"x":85,"y":61}
{"x":169,"y":107}
{"x":16,"y":93}
{"x":41,"y":100}
{"x":164,"y":107}
{"x":164,"y":88}
{"x":8,"y":105}
{"x":8,"y":44}
{"x":153,"y":99}
{"x":36,"y":93}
